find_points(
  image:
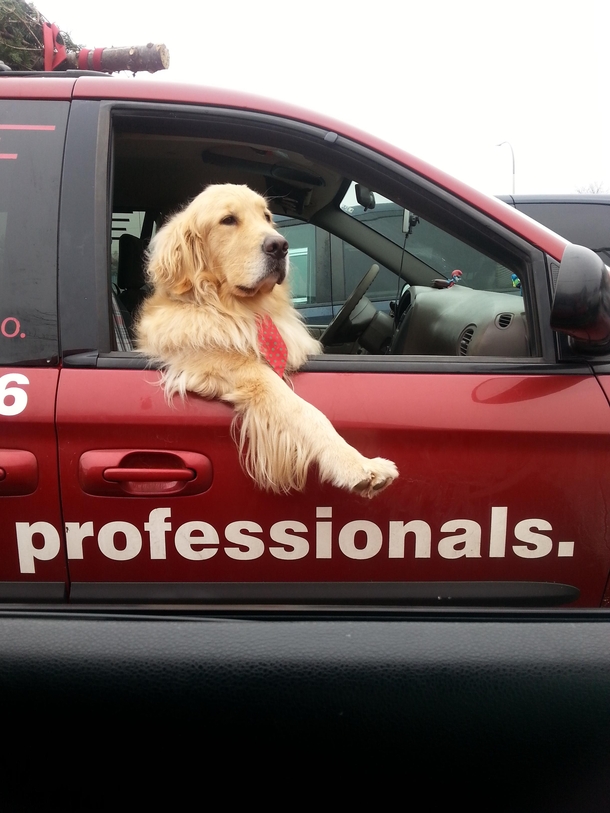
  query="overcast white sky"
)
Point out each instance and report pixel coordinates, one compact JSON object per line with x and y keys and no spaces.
{"x":443,"y":79}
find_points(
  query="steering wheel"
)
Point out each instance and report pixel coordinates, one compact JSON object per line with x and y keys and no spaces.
{"x":333,"y":331}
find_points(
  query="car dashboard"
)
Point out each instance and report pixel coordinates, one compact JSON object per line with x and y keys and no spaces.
{"x":461,"y":321}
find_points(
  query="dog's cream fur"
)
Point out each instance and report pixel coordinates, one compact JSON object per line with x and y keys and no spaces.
{"x":211,"y":278}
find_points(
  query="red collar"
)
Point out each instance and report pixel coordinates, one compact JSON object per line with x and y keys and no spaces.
{"x":271,"y":345}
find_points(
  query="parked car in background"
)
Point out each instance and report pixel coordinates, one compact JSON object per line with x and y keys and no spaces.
{"x":581,"y":219}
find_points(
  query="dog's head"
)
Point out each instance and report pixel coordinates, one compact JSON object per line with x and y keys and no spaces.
{"x":224,"y":237}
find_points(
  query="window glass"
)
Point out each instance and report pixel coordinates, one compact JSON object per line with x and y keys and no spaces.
{"x":482,"y":315}
{"x":469,"y":304}
{"x":325,"y":269}
{"x":302,"y":240}
{"x":31,"y":145}
{"x":310,"y":274}
{"x":442,"y":251}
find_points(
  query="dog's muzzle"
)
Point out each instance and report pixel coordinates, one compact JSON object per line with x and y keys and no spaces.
{"x":275,"y":262}
{"x":276,"y":250}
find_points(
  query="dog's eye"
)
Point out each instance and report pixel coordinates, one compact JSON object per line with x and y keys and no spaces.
{"x":268,"y":217}
{"x":229,"y":220}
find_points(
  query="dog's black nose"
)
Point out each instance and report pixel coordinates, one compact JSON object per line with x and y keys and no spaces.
{"x":275,"y":246}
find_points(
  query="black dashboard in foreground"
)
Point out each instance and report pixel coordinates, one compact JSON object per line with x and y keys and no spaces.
{"x":494,"y":711}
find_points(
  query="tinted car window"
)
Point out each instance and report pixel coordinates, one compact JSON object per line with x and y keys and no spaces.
{"x":31,"y":144}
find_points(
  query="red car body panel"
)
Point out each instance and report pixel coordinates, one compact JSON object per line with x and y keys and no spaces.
{"x":512,"y":443}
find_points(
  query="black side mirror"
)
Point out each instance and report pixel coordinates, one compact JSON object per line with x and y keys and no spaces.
{"x":581,"y":305}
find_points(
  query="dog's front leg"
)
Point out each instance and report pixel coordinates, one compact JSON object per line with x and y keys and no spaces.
{"x":281,"y":435}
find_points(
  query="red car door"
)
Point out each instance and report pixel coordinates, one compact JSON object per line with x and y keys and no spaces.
{"x":157,"y":506}
{"x":500,"y":447}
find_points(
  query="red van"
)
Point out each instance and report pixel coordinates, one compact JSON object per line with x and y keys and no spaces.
{"x":489,"y":389}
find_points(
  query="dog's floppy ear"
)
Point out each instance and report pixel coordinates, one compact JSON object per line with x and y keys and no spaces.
{"x":176,"y":255}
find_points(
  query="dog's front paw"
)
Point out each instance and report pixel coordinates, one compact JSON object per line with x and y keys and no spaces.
{"x":379,"y":474}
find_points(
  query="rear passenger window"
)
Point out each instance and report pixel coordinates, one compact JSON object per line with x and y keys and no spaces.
{"x":31,"y":147}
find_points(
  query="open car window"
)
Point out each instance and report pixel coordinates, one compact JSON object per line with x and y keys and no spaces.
{"x":442,"y":287}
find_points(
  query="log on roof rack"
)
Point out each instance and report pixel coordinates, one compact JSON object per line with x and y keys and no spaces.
{"x":28,"y":41}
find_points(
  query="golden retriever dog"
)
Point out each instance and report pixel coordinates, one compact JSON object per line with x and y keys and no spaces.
{"x":217,"y":270}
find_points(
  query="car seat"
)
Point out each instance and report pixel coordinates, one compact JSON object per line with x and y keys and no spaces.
{"x":131,"y":280}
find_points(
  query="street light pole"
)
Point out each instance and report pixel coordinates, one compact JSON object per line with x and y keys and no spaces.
{"x":512,"y":152}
